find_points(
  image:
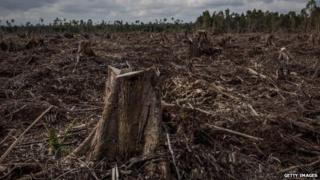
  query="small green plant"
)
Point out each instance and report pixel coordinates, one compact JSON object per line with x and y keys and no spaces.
{"x":54,"y":143}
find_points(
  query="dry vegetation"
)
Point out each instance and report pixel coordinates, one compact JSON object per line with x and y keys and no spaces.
{"x":235,"y":106}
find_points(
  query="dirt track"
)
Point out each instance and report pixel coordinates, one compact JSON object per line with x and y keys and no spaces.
{"x":237,"y":90}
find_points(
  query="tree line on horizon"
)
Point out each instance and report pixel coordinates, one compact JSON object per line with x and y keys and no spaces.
{"x":308,"y":19}
{"x":258,"y":21}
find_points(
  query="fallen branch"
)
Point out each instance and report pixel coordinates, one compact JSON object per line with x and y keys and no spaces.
{"x":115,"y":173}
{"x":254,"y":112}
{"x":35,"y":175}
{"x":90,"y":170}
{"x":299,"y":166}
{"x":165,"y":105}
{"x":6,"y":138}
{"x":277,"y":89}
{"x":234,"y":132}
{"x":22,"y":168}
{"x":253,"y":72}
{"x":317,"y":67}
{"x":172,"y":155}
{"x":22,"y":134}
{"x":218,"y":90}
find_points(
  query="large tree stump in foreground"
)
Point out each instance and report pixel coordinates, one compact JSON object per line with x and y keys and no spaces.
{"x":130,"y":123}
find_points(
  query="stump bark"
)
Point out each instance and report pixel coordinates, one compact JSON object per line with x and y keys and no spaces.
{"x":130,"y":123}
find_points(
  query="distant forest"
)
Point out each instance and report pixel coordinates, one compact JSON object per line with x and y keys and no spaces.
{"x":308,"y":19}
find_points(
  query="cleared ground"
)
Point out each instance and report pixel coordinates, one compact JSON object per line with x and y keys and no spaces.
{"x":270,"y":124}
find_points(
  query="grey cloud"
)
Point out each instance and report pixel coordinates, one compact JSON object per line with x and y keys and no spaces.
{"x":232,"y":3}
{"x":81,"y":6}
{"x":24,"y":4}
{"x":264,"y":1}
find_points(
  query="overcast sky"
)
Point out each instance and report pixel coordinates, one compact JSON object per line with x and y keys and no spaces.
{"x":131,"y":10}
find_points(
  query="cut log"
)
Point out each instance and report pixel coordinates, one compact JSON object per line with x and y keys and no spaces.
{"x":130,"y":123}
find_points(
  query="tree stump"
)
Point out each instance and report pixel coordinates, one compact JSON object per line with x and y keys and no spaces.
{"x":130,"y":123}
{"x":270,"y":40}
{"x":200,"y":45}
{"x":284,"y":59}
{"x":85,"y":48}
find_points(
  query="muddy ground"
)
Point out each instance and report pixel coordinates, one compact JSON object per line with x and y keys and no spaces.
{"x":230,"y":115}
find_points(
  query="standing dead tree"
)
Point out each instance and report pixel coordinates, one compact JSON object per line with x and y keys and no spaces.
{"x":130,"y":123}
